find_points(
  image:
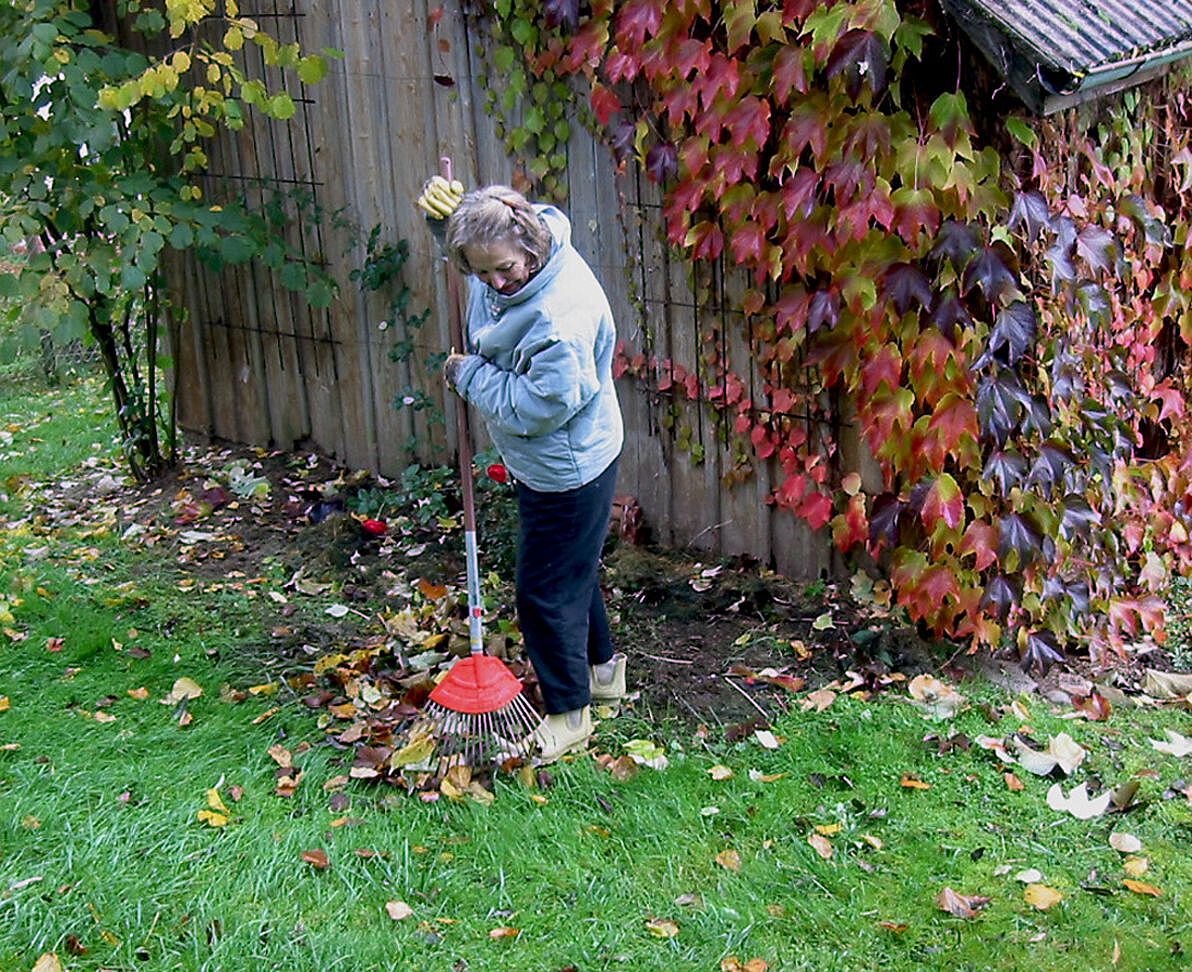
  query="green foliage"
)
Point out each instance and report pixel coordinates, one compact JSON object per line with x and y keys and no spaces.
{"x":1010,"y":338}
{"x":100,"y":150}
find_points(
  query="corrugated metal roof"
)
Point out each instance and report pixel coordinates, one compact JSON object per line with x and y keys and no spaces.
{"x":1079,"y":36}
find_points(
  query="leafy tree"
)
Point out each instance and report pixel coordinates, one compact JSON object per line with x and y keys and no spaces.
{"x":101,"y":146}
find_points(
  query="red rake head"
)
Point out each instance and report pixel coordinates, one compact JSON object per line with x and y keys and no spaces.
{"x":477,"y":684}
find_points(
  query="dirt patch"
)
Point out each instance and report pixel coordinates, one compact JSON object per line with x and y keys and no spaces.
{"x":719,"y":643}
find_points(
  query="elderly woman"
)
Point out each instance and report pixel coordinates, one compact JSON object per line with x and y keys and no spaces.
{"x":538,"y":368}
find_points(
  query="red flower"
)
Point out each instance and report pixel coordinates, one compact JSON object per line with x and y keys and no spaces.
{"x":374,"y":528}
{"x":498,"y":473}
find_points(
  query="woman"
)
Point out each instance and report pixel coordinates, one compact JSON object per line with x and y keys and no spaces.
{"x":538,"y":368}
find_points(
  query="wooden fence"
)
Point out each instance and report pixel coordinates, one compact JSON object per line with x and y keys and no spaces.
{"x":258,"y":365}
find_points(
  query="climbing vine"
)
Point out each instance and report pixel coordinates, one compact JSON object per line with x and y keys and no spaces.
{"x":1007,"y":311}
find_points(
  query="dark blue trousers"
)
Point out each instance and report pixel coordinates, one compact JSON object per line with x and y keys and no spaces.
{"x":559,"y":604}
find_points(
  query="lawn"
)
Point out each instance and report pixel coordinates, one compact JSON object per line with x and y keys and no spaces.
{"x":143,"y":826}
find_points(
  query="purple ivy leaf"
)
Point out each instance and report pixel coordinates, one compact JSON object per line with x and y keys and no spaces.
{"x":1042,"y":651}
{"x":1030,"y":211}
{"x":1119,"y":385}
{"x":884,"y":519}
{"x":622,"y":140}
{"x":1078,"y":517}
{"x":662,"y":163}
{"x":1037,"y":416}
{"x":1005,"y":467}
{"x":1014,"y":331}
{"x":861,"y":56}
{"x":1017,"y":534}
{"x":562,"y":14}
{"x":1098,"y":248}
{"x":823,"y":310}
{"x":950,"y":314}
{"x":993,"y":271}
{"x":955,"y":242}
{"x":1049,"y":468}
{"x":905,"y":285}
{"x":1001,"y":400}
{"x":1001,"y":594}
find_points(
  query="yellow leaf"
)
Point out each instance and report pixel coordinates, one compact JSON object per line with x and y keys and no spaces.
{"x":1136,"y":867}
{"x":215,"y":802}
{"x":1139,"y":888}
{"x":184,"y":688}
{"x":140,"y":694}
{"x":48,"y":962}
{"x":662,"y":927}
{"x":213,"y":818}
{"x":269,"y":688}
{"x":729,"y":859}
{"x":398,"y":910}
{"x":1041,"y":896}
{"x":233,"y":39}
{"x":829,"y":829}
{"x":5,"y":705}
{"x":30,"y":822}
{"x":419,"y":748}
{"x":913,"y":783}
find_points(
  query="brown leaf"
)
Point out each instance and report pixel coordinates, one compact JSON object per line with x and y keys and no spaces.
{"x":662,"y":927}
{"x":1013,"y":782}
{"x":729,"y":859}
{"x":48,"y":962}
{"x":961,"y":905}
{"x":821,"y":845}
{"x":623,"y":769}
{"x":1139,"y":888}
{"x":316,"y":858}
{"x":819,"y":700}
{"x":893,"y":926}
{"x":1094,"y":706}
{"x":734,"y":964}
{"x":504,"y":931}
{"x":140,"y":694}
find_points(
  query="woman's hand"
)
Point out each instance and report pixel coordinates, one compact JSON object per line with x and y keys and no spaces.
{"x":440,"y":198}
{"x":451,"y":368}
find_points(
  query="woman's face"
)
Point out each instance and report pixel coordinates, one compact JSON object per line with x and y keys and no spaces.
{"x":502,"y":265}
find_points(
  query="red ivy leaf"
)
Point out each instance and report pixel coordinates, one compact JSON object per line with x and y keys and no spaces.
{"x":954,"y":418}
{"x":807,"y":126}
{"x":944,"y":501}
{"x":980,"y":539}
{"x":816,"y":509}
{"x":789,"y":73}
{"x":604,"y":103}
{"x":750,"y":119}
{"x":706,"y":240}
{"x":915,"y":212}
{"x":636,"y":20}
{"x":748,"y":243}
{"x":852,"y":526}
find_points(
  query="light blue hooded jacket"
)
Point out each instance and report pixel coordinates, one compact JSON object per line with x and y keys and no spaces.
{"x":539,"y":370}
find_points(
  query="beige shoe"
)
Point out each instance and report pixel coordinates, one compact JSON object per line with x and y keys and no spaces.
{"x":561,"y":733}
{"x":607,"y":680}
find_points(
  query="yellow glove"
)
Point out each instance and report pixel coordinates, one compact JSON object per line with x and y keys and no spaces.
{"x":439,"y":197}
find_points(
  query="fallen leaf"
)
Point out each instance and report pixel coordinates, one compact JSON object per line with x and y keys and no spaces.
{"x":1041,"y":896}
{"x":821,"y":845}
{"x":829,"y":830}
{"x":766,"y":739}
{"x":689,"y":900}
{"x":1030,"y":876}
{"x":104,"y":717}
{"x":623,"y":769}
{"x":1125,"y":843}
{"x":504,"y":931}
{"x":398,"y":910}
{"x":184,"y":688}
{"x":720,"y":773}
{"x":819,"y":700}
{"x":55,"y":644}
{"x":140,"y":694}
{"x":662,"y":927}
{"x":935,"y":699}
{"x":961,"y":905}
{"x":1093,"y":706}
{"x":30,"y":822}
{"x":759,"y":777}
{"x":47,"y":962}
{"x":1175,"y":744}
{"x":5,"y":705}
{"x":1077,"y":802}
{"x":893,"y":926}
{"x":734,"y":964}
{"x":709,"y":811}
{"x":1013,"y":782}
{"x":316,"y":858}
{"x":213,"y":818}
{"x":1062,"y":751}
{"x":730,"y":860}
{"x":1136,"y":867}
{"x":1139,"y":888}
{"x":913,"y":782}
{"x":1167,"y":685}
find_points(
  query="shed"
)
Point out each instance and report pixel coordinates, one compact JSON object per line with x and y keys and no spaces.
{"x":1059,"y":53}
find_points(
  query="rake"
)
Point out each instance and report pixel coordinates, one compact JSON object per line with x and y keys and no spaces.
{"x":479,"y":713}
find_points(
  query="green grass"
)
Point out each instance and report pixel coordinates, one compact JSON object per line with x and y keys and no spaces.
{"x":99,"y":836}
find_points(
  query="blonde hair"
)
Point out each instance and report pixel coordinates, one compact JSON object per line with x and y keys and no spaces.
{"x":497,"y":214}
